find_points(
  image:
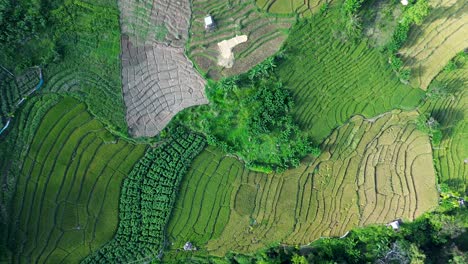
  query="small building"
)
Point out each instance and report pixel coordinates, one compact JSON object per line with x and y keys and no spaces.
{"x":395,"y":225}
{"x":209,"y":23}
{"x":404,"y":2}
{"x":189,"y":247}
{"x":461,"y":202}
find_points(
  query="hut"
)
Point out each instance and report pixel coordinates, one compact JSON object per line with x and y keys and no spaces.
{"x":209,"y":23}
{"x":189,"y":247}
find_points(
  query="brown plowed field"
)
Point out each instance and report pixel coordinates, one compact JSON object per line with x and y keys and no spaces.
{"x":158,"y":79}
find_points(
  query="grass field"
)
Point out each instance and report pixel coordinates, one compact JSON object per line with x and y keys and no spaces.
{"x":334,"y":79}
{"x":68,"y":185}
{"x":265,"y":35}
{"x":370,"y":171}
{"x":300,"y":7}
{"x":431,"y":46}
{"x":447,"y":102}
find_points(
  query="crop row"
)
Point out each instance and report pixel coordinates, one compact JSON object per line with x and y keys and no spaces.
{"x":332,"y":80}
{"x":301,"y":7}
{"x":265,"y":35}
{"x":147,"y":198}
{"x":366,"y":174}
{"x":430,"y":46}
{"x":90,"y":65}
{"x":66,"y":192}
{"x":447,"y":103}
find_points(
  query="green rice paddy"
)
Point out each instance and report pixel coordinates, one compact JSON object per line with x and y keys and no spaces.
{"x":370,"y":171}
{"x":333,"y":79}
{"x":447,"y":103}
{"x":68,"y":186}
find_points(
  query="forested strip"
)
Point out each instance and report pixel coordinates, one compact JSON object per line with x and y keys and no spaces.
{"x":147,"y":199}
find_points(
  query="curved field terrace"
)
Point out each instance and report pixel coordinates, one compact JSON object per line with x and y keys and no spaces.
{"x":158,"y":79}
{"x":431,"y":46}
{"x":370,"y":171}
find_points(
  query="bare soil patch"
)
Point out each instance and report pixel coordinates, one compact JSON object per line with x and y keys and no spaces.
{"x":226,"y":56}
{"x":158,"y":79}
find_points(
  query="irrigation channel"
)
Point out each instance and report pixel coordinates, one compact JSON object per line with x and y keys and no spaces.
{"x":21,"y":101}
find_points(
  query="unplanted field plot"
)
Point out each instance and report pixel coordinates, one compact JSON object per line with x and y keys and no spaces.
{"x":300,"y":7}
{"x":158,"y":79}
{"x":239,"y":17}
{"x":451,"y":111}
{"x":158,"y":82}
{"x":370,"y":171}
{"x":67,"y":187}
{"x":332,"y":80}
{"x":431,"y":46}
{"x":164,"y":21}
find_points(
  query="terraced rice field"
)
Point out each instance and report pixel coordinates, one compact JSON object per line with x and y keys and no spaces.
{"x":90,"y":67}
{"x":370,"y":171}
{"x":301,"y":7}
{"x":431,"y":46}
{"x":451,"y":111}
{"x":333,"y":79}
{"x":14,"y":88}
{"x":67,"y":187}
{"x":234,"y":17}
{"x":158,"y":79}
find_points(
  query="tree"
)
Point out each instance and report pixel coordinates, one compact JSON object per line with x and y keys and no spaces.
{"x":296,"y":259}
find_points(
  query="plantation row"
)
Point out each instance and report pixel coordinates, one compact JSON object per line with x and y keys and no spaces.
{"x":334,"y":79}
{"x":147,"y":198}
{"x":66,"y":182}
{"x":265,"y":35}
{"x":447,"y":102}
{"x":370,"y":171}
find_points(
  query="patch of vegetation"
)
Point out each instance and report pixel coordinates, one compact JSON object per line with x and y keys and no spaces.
{"x":437,"y":237}
{"x":250,"y":116}
{"x":332,"y":78}
{"x":265,"y":32}
{"x":24,"y":35}
{"x":147,"y":198}
{"x":445,"y":103}
{"x":413,"y":14}
{"x":429,"y":125}
{"x":302,"y":8}
{"x":427,"y":51}
{"x":225,"y":207}
{"x":77,"y":43}
{"x":62,"y":172}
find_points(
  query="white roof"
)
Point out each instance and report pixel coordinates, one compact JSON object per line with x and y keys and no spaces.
{"x":404,"y":2}
{"x":208,"y":20}
{"x":394,"y":224}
